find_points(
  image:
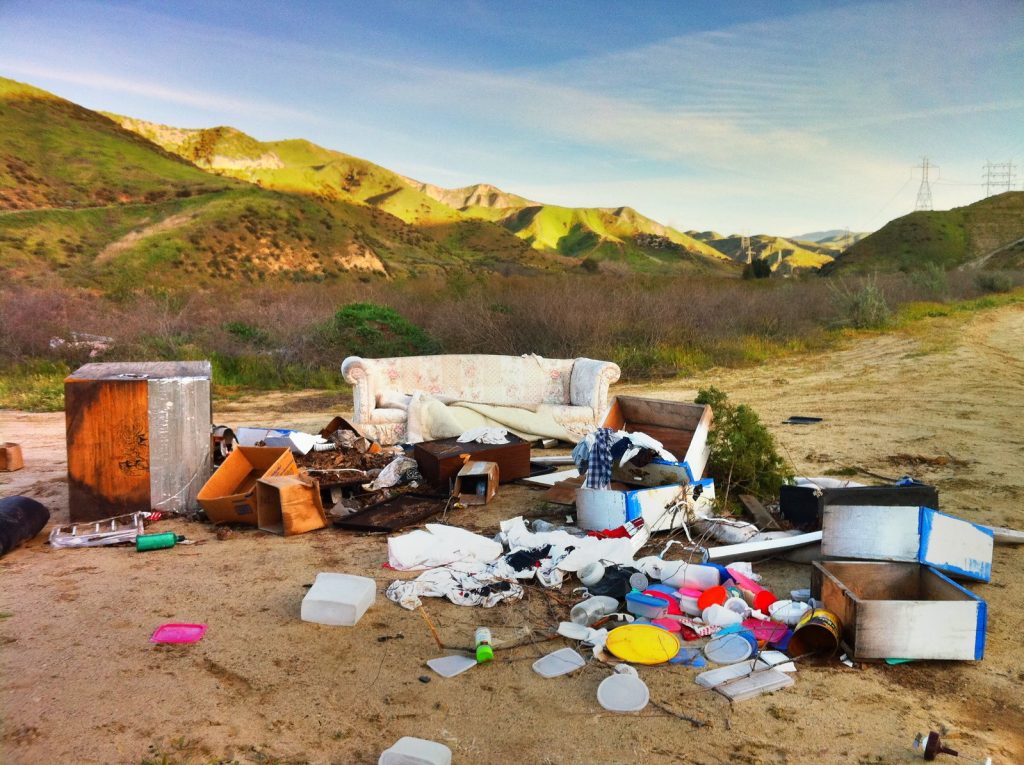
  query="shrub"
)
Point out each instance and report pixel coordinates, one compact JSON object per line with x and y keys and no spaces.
{"x":863,"y":306}
{"x":758,"y":268}
{"x":994,"y":282}
{"x":247,"y":333}
{"x":744,"y":458}
{"x":933,"y":279}
{"x":368,"y":329}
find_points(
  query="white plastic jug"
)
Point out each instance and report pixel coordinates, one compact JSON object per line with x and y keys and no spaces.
{"x":695,"y":576}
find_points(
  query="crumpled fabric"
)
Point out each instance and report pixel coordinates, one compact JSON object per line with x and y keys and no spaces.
{"x":484,"y":435}
{"x":464,"y":584}
{"x":635,"y":444}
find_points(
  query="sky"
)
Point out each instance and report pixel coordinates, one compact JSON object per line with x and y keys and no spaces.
{"x":742,"y":117}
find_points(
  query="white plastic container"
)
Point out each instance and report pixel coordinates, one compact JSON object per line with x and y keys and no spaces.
{"x":591,"y":573}
{"x":416,"y":751}
{"x":592,"y":609}
{"x":693,"y":576}
{"x":720,"y":616}
{"x":688,"y":601}
{"x":339,"y":600}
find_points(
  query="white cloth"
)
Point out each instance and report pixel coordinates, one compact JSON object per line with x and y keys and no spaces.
{"x":440,"y":545}
{"x":484,"y":435}
{"x":464,"y":584}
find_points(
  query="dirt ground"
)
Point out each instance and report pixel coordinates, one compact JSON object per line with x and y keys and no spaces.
{"x":81,"y":683}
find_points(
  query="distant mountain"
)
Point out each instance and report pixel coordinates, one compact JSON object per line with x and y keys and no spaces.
{"x":832,"y":236}
{"x":987,"y":233}
{"x":494,"y":215}
{"x":783,"y":255}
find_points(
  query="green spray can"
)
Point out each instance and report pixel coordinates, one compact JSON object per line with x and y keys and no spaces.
{"x":146,"y":542}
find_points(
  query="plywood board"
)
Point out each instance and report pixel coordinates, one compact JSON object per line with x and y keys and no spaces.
{"x":550,"y":479}
{"x":871,"y":532}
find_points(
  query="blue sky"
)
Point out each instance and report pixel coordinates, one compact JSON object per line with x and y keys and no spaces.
{"x":756,"y":117}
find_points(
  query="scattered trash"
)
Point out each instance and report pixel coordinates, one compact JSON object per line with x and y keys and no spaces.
{"x":416,"y":751}
{"x":338,"y":599}
{"x":755,"y":684}
{"x":796,"y":419}
{"x":439,"y":461}
{"x":930,"y":746}
{"x":642,"y":644}
{"x":10,"y":457}
{"x":178,"y":633}
{"x":730,"y":648}
{"x":392,"y":514}
{"x":561,"y":662}
{"x":818,"y":632}
{"x":624,"y":691}
{"x":21,"y":519}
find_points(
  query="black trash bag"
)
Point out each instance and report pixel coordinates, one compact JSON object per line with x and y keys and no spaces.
{"x":21,"y":519}
{"x":614,"y":583}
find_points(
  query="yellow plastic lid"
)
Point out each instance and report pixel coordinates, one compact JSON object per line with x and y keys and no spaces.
{"x":642,"y":644}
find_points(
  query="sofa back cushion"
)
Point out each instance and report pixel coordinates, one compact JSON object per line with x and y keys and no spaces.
{"x":487,"y":379}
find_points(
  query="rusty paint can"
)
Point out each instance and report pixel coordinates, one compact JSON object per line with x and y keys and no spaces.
{"x":818,"y":632}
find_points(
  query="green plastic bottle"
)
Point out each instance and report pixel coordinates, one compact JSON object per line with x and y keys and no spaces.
{"x":146,"y":542}
{"x":484,"y":651}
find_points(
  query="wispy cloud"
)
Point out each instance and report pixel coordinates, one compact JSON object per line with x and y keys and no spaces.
{"x":213,"y":102}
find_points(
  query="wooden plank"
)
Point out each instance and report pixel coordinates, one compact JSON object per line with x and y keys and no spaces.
{"x":871,"y":532}
{"x":550,"y":479}
{"x":142,"y":370}
{"x":762,"y":518}
{"x":563,"y":493}
{"x":877,"y":580}
{"x":955,"y":546}
{"x":893,"y":629}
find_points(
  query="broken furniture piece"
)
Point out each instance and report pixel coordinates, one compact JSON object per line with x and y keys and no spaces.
{"x":803,"y":505}
{"x":138,"y":437}
{"x":122,"y":529}
{"x":441,"y":460}
{"x":901,"y":611}
{"x":681,"y":427}
{"x":573,"y":391}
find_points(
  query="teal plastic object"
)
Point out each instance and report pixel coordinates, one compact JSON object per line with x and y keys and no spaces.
{"x":147,"y":542}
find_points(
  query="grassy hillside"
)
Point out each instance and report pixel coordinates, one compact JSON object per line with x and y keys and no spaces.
{"x":481,"y":216}
{"x":946,"y":239}
{"x":54,"y":153}
{"x":93,"y":204}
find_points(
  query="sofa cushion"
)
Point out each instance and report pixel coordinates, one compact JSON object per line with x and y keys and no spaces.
{"x":488,"y":379}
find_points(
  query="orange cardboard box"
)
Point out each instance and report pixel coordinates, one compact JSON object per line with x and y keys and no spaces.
{"x":10,"y":457}
{"x":230,"y":494}
{"x":289,"y":504}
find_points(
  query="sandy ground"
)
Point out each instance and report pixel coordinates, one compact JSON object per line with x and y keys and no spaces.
{"x":80,"y":683}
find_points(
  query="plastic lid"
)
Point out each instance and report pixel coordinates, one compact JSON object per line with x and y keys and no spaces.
{"x":450,"y":666}
{"x":561,"y":662}
{"x":642,"y":644}
{"x":178,"y":633}
{"x":573,"y":631}
{"x":764,"y":599}
{"x":712,"y":596}
{"x":484,"y":652}
{"x":623,"y":693}
{"x":729,"y":649}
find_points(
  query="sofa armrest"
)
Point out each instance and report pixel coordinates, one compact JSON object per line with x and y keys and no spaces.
{"x":588,"y":384}
{"x":364,"y":399}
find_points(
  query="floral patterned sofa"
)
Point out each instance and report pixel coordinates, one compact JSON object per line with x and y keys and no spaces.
{"x":574,"y":391}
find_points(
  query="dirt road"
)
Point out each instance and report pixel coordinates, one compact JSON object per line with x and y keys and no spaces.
{"x":79,"y":681}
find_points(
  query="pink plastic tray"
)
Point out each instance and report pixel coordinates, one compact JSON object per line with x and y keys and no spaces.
{"x":178,"y":633}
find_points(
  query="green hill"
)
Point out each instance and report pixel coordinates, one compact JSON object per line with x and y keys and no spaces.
{"x":451,"y":216}
{"x":947,"y":238}
{"x":88,"y":202}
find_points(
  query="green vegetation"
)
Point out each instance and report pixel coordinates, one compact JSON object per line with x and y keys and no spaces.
{"x":994,"y":282}
{"x":744,"y":458}
{"x":374,"y":331}
{"x":862,"y":306}
{"x":33,"y":386}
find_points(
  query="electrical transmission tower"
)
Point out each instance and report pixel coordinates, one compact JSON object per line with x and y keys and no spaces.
{"x":999,"y":177}
{"x":745,"y":248}
{"x":924,"y":193}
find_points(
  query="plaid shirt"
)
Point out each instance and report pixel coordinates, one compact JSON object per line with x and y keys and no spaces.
{"x":599,"y":464}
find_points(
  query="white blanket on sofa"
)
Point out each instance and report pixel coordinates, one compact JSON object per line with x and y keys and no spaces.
{"x":431,"y":418}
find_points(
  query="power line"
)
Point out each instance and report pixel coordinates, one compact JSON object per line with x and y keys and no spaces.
{"x":999,"y":176}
